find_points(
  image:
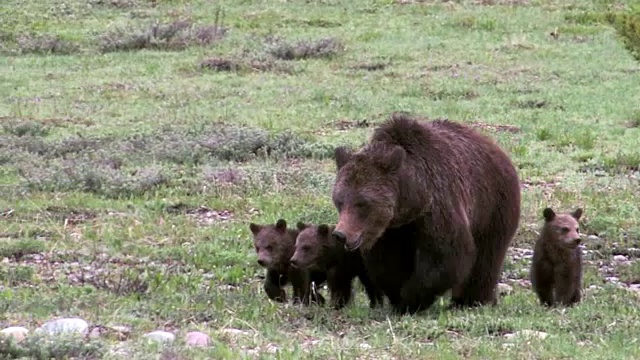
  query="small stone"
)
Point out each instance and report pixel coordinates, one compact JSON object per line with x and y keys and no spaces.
{"x":18,"y":333}
{"x":365,"y":346}
{"x":621,"y":259}
{"x":504,"y":289}
{"x":196,"y":338}
{"x":531,"y":334}
{"x":592,"y":238}
{"x":66,"y":325}
{"x":160,"y":336}
{"x":97,"y":331}
{"x":272,"y":349}
{"x":234,"y":332}
{"x":613,"y":279}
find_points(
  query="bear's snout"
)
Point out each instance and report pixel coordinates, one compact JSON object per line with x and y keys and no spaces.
{"x":295,"y":263}
{"x":261,"y":262}
{"x":340,"y":236}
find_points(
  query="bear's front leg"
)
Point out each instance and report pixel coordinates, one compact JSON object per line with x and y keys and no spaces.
{"x":441,"y":262}
{"x":272,"y":286}
{"x":340,"y":287}
{"x":565,"y":286}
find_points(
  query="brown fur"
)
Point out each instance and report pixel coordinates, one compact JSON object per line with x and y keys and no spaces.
{"x":435,"y":203}
{"x":274,"y":246}
{"x":556,"y":269}
{"x":317,"y":249}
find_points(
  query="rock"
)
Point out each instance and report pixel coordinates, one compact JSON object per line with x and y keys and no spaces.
{"x":196,"y":338}
{"x":272,"y":349}
{"x":160,"y":336}
{"x":65,"y":325}
{"x":504,"y":289}
{"x":18,"y":333}
{"x":527,"y":334}
{"x":621,"y":260}
{"x":365,"y":346}
{"x":593,"y":238}
{"x":234,"y":332}
{"x":613,"y":279}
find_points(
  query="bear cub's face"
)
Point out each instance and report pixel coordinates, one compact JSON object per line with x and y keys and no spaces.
{"x":365,"y":194}
{"x":272,"y":244}
{"x":309,"y":245}
{"x":563,"y":228}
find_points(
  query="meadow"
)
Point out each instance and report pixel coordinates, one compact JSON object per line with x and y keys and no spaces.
{"x":139,"y":138}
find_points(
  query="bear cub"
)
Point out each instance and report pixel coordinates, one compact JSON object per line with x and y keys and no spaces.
{"x":316,"y":249}
{"x":556,"y":270}
{"x":274,"y":245}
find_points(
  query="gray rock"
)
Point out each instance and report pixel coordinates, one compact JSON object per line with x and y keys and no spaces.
{"x":197,"y":338}
{"x":18,"y":333}
{"x":65,"y":325}
{"x":504,"y":289}
{"x":160,"y":336}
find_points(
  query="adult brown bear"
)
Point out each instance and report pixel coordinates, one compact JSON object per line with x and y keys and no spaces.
{"x":432,"y":206}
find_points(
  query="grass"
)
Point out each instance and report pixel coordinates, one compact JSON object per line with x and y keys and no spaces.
{"x":138,"y":139}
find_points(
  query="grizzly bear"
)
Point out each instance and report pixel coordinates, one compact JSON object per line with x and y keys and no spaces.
{"x":274,"y":245}
{"x":556,"y":268}
{"x":440,"y":201}
{"x":317,"y":249}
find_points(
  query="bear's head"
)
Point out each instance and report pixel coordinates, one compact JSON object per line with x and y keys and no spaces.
{"x":274,"y":244}
{"x":562,"y":229}
{"x":365,"y":193}
{"x":310,"y":245}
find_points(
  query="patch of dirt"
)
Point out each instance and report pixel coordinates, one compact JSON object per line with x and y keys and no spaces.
{"x":203,"y":214}
{"x":502,"y":2}
{"x":68,"y":215}
{"x":496,"y":127}
{"x":371,"y":66}
{"x":239,"y":64}
{"x":345,"y":124}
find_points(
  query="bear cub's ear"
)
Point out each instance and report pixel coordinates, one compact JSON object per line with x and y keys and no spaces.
{"x":301,"y":226}
{"x":255,"y":228}
{"x":577,"y":213}
{"x":281,"y":225}
{"x":343,"y":155}
{"x":323,"y":230}
{"x":548,"y":214}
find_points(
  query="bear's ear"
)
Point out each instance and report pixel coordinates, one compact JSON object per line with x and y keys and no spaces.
{"x":255,"y":228}
{"x":301,"y":226}
{"x":323,"y":230}
{"x":577,"y":213}
{"x":392,"y":161}
{"x":343,"y":155}
{"x":548,"y":214}
{"x":281,"y":225}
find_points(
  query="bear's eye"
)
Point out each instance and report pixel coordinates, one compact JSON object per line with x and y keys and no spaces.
{"x":578,"y":230}
{"x":269,"y":247}
{"x":338,"y":204}
{"x":564,"y":230}
{"x":360,"y":204}
{"x":306,"y":248}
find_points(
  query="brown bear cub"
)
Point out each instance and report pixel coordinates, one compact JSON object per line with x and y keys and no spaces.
{"x":556,"y":269}
{"x":432,"y":206}
{"x":275,"y":244}
{"x":317,"y":249}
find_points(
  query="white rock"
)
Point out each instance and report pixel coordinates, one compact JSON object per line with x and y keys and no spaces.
{"x":365,"y":346}
{"x":531,"y":334}
{"x":196,"y":338}
{"x":272,"y":349}
{"x":621,"y":259}
{"x":230,"y":331}
{"x":592,"y":238}
{"x":504,"y":289}
{"x":65,"y":325}
{"x":18,"y":333}
{"x":160,"y":336}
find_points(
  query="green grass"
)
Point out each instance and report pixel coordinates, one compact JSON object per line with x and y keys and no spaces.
{"x":116,"y":128}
